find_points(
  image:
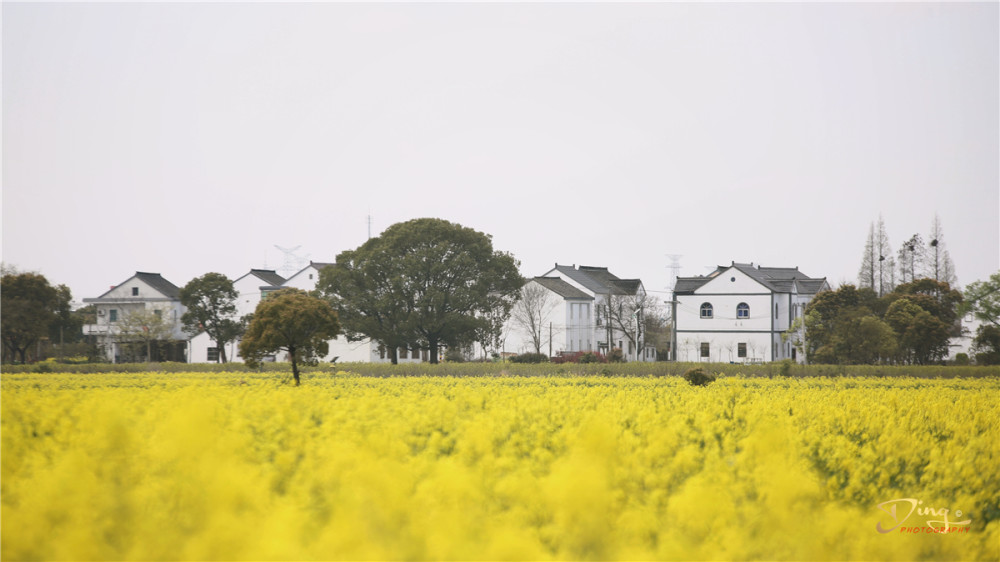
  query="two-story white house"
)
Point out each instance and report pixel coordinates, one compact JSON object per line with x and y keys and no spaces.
{"x":143,"y":293}
{"x":739,"y":312}
{"x":608,"y":292}
{"x":563,"y":320}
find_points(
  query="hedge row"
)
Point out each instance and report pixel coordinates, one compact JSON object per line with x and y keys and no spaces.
{"x":513,"y":369}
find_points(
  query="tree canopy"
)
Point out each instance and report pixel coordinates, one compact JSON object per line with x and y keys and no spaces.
{"x":211,"y":307}
{"x":912,"y":324}
{"x":982,"y":299}
{"x":293,"y":321}
{"x":31,"y":308}
{"x":422,"y":283}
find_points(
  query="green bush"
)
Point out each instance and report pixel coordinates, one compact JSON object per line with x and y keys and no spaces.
{"x":530,"y":358}
{"x":961,"y":358}
{"x":697,"y":377}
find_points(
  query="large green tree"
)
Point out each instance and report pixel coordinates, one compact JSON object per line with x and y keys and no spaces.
{"x":422,"y":283}
{"x":982,"y":299}
{"x":293,"y":321}
{"x":30,"y":308}
{"x":211,"y":307}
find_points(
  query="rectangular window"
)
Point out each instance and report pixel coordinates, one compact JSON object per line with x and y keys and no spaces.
{"x":402,"y":353}
{"x":113,"y":315}
{"x":158,"y":313}
{"x":741,"y":350}
{"x":135,"y":291}
{"x":213,"y":355}
{"x":381,"y":352}
{"x":704,"y":349}
{"x":424,"y":355}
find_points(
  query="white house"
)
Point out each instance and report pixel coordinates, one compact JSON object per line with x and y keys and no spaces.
{"x":563,"y":318}
{"x":739,"y":312}
{"x":141,"y":293}
{"x":603,"y":287}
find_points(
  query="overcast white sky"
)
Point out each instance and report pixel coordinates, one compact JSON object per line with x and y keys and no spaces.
{"x":189,"y":138}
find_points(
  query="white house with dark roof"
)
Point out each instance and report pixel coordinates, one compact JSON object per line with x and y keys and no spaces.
{"x":738,"y":313}
{"x":141,"y":292}
{"x":564,"y":320}
{"x":602,"y":286}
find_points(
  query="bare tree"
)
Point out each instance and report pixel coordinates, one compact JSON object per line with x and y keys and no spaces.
{"x":138,"y":329}
{"x":911,"y":259}
{"x":532,"y":313}
{"x":877,"y":264}
{"x":626,"y":314}
{"x":939,"y":265}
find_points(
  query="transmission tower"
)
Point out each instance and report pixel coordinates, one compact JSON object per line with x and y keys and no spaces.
{"x":675,"y":270}
{"x":293,"y":262}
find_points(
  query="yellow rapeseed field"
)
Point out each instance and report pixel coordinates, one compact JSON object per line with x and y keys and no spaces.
{"x":237,"y":466}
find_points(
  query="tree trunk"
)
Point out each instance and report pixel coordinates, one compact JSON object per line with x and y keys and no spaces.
{"x":432,"y":344}
{"x":394,"y":355}
{"x":222,"y":351}
{"x":295,"y":365}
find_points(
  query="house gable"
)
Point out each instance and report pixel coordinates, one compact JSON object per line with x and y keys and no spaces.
{"x":142,"y":286}
{"x":732,"y":281}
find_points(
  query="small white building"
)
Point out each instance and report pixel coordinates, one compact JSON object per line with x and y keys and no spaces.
{"x":738,"y":313}
{"x":142,"y":293}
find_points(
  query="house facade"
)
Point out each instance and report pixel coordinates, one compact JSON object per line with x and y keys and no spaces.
{"x":563,"y":320}
{"x":616,"y":302}
{"x":120,"y":312}
{"x":739,"y":312}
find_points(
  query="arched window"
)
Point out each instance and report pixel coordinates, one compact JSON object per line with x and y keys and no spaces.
{"x":743,"y":310}
{"x":706,"y":310}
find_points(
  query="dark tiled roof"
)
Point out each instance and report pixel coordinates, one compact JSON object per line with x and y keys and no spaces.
{"x":268,"y":276}
{"x":595,"y":279}
{"x":561,"y":288}
{"x":582,"y":278}
{"x":811,"y":286}
{"x":625,"y":286}
{"x":156,"y":281}
{"x":685,"y":285}
{"x":777,"y":279}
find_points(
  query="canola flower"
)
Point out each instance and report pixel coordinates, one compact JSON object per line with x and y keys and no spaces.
{"x":240,"y":466}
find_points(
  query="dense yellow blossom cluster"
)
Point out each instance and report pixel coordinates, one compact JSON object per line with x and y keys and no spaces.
{"x":238,"y":466}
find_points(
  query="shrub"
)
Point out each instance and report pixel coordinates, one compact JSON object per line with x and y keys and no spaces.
{"x":616,"y":356}
{"x":530,"y":358}
{"x":591,"y":357}
{"x":697,"y":377}
{"x":961,"y":358}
